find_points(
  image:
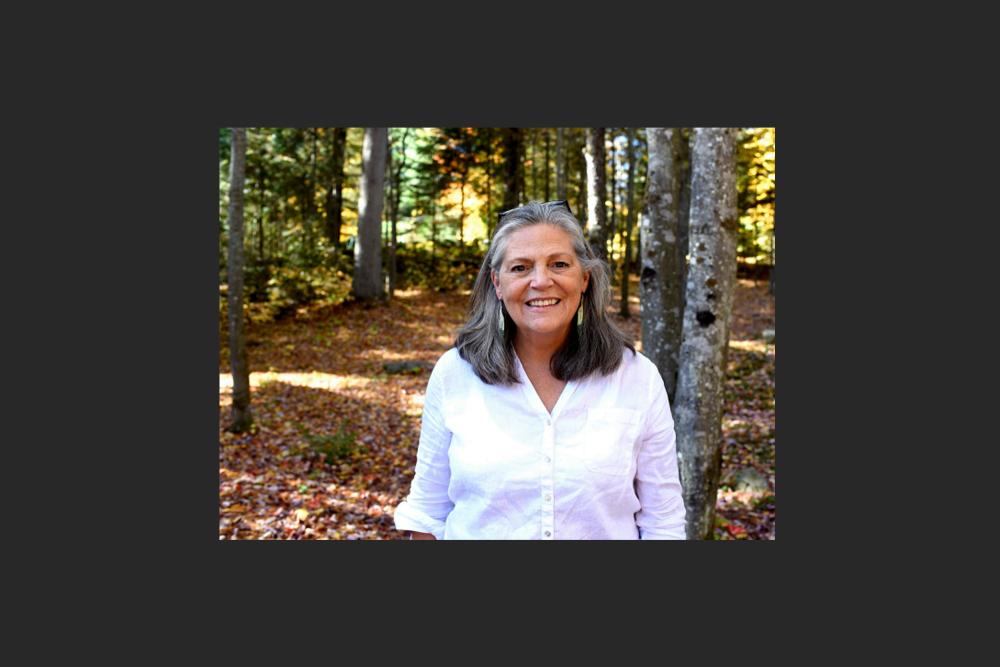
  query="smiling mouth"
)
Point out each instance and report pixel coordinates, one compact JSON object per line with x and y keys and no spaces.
{"x":543,"y":303}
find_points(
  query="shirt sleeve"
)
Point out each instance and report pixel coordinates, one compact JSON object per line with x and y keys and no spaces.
{"x":657,"y":479}
{"x":428,"y":505}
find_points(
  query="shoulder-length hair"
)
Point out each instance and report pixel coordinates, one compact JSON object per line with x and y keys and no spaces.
{"x":594,"y":347}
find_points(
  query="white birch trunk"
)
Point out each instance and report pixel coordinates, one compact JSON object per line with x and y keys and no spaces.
{"x":597,"y":217}
{"x":368,"y":250}
{"x":711,"y":282}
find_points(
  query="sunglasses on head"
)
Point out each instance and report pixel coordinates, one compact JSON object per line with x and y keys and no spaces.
{"x":557,"y":202}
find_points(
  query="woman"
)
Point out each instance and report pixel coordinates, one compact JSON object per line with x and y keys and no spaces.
{"x":538,"y":424}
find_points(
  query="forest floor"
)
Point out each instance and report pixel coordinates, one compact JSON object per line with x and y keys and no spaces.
{"x":335,"y":437}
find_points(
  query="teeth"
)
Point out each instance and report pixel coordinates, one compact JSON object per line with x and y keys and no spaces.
{"x":543,"y":302}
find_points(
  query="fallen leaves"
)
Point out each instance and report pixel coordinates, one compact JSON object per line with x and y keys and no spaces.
{"x":294,"y":478}
{"x":321,"y":373}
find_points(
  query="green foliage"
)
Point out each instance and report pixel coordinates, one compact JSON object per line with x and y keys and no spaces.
{"x":289,"y":286}
{"x":273,"y":291}
{"x":451,"y":186}
{"x":445,"y":268}
{"x":755,"y":186}
{"x":335,"y":447}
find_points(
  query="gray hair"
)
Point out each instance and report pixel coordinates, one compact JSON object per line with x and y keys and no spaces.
{"x":594,"y":347}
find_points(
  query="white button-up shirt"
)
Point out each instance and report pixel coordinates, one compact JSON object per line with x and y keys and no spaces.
{"x":492,"y":463}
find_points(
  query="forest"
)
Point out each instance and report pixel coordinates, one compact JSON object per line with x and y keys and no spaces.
{"x":346,"y":259}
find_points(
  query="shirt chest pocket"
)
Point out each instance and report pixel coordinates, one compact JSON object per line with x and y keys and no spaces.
{"x":609,"y":438}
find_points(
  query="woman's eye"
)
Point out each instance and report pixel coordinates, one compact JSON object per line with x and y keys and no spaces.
{"x":561,"y":265}
{"x":517,"y":269}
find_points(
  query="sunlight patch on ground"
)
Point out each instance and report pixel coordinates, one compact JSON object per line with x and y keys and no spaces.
{"x":382,"y":354}
{"x":728,"y":497}
{"x":758,"y":346}
{"x":414,"y":404}
{"x":313,"y":380}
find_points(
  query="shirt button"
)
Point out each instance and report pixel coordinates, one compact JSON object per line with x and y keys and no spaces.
{"x":548,"y":497}
{"x":548,"y":534}
{"x":548,"y":460}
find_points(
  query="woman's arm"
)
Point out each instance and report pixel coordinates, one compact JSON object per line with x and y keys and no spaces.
{"x":416,"y":535}
{"x":657,"y":479}
{"x":427,"y":506}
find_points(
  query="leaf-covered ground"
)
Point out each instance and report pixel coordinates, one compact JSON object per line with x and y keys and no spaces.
{"x":335,"y":436}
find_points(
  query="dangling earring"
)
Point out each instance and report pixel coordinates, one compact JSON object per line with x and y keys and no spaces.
{"x":579,"y":315}
{"x":500,"y":317}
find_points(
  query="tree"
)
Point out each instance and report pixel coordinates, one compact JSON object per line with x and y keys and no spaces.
{"x":629,"y":219}
{"x":698,"y":407}
{"x":335,"y":191}
{"x":242,"y":416}
{"x":597,"y":214}
{"x":485,"y":145}
{"x":755,"y":187}
{"x":454,"y":159}
{"x":368,"y":249}
{"x":397,"y":182}
{"x":579,"y":167}
{"x":660,"y":288}
{"x":560,"y":164}
{"x":682,"y":167}
{"x":770,"y":287}
{"x":547,"y":137}
{"x":612,"y":182}
{"x":512,"y":155}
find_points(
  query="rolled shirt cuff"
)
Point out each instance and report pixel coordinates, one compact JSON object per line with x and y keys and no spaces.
{"x":408,"y":517}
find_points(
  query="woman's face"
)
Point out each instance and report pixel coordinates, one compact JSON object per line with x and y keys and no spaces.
{"x":541,"y":282}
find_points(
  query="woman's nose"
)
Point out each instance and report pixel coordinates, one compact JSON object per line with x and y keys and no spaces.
{"x":540,"y":277}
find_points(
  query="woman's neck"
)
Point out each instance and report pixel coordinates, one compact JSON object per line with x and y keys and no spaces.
{"x":537,"y":351}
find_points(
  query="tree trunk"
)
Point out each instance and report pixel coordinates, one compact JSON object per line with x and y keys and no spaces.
{"x":534,"y":170}
{"x":597,"y":214}
{"x":489,"y":196}
{"x":682,"y":165}
{"x":397,"y":193}
{"x":629,"y":217}
{"x":261,"y":187}
{"x":461,"y":214}
{"x":659,"y":285}
{"x":581,"y":201}
{"x":613,"y":225}
{"x":770,"y":288}
{"x":547,"y":138}
{"x":560,"y":163}
{"x":368,"y":250}
{"x":279,"y":236}
{"x":640,"y":204}
{"x":513,"y":158}
{"x":387,"y":197}
{"x":335,"y":194}
{"x":434,"y":230}
{"x":698,"y":408}
{"x":242,"y":416}
{"x":522,"y":153}
{"x":308,"y":202}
